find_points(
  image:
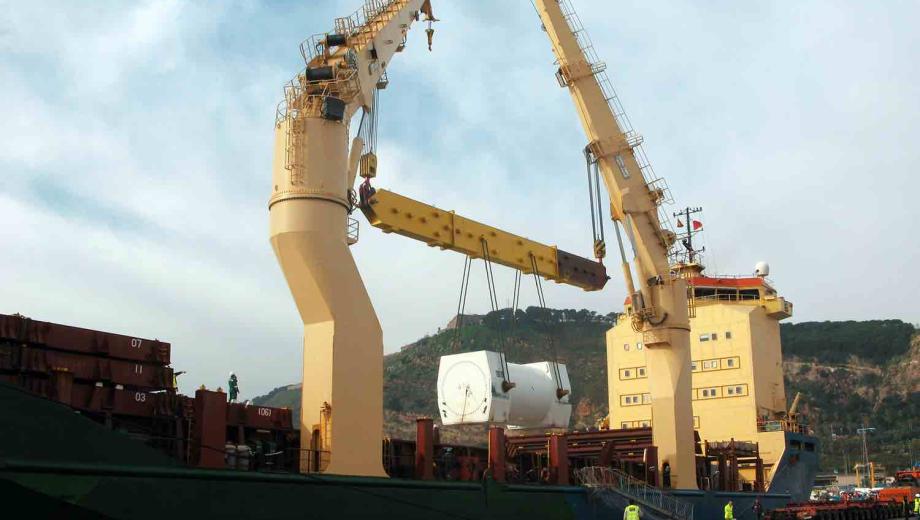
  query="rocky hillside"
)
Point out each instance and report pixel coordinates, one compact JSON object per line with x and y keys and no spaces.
{"x":848,"y":372}
{"x":856,"y":373}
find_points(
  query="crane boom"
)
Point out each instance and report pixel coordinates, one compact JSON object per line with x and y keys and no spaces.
{"x":660,"y":303}
{"x":341,"y":425}
{"x":394,"y":213}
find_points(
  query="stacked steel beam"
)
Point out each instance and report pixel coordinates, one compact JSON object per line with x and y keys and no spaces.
{"x":92,"y":371}
{"x":126,"y":383}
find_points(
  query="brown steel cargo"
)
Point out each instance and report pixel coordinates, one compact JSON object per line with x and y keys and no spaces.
{"x":260,"y":417}
{"x":22,"y":330}
{"x":90,"y":397}
{"x":33,"y":360}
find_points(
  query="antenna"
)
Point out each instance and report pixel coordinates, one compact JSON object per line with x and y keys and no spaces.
{"x":693,"y":227}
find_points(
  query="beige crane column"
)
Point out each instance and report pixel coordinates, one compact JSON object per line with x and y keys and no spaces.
{"x":660,"y":304}
{"x":342,"y":400}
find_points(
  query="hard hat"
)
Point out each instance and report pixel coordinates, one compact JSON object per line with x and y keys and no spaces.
{"x":231,"y":373}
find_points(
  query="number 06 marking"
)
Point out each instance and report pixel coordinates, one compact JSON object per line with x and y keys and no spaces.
{"x":265,"y":412}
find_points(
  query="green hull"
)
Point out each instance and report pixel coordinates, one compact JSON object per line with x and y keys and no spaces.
{"x":57,"y":464}
{"x":156,"y":493}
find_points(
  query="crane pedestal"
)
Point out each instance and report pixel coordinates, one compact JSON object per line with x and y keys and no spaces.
{"x":341,"y":425}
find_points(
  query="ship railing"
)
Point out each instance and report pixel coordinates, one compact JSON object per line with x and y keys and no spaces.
{"x":351,"y":231}
{"x":729,"y":297}
{"x":736,"y":276}
{"x":447,"y":466}
{"x":612,"y":485}
{"x":782,"y":425}
{"x":310,"y":461}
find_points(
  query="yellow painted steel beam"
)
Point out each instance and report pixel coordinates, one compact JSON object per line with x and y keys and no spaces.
{"x":395,"y":213}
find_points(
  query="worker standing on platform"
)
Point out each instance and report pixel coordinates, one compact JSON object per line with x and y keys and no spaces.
{"x":233,"y":387}
{"x":917,"y":504}
{"x":757,"y":508}
{"x":176,"y":379}
{"x":632,"y":511}
{"x":729,"y":511}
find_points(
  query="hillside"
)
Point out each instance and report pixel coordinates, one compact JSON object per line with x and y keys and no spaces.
{"x":866,"y":373}
{"x":848,"y":372}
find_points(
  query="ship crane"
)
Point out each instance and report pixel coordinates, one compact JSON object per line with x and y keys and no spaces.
{"x":341,"y":428}
{"x":659,"y":302}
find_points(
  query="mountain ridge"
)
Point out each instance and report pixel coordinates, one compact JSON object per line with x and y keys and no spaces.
{"x":850,"y":373}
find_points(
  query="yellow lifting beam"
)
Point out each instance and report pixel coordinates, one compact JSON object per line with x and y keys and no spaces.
{"x":394,"y":213}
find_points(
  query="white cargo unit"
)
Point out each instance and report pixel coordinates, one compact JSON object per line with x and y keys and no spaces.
{"x":470,"y":392}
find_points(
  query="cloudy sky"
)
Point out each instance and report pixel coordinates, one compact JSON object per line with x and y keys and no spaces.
{"x":135,"y":155}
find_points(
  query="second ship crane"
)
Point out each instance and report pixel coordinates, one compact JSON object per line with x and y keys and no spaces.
{"x":660,"y":300}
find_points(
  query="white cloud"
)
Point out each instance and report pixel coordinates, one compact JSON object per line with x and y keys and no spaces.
{"x":135,"y":157}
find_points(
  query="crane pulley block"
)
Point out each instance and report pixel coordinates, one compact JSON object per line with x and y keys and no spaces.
{"x":369,"y":165}
{"x":394,"y":213}
{"x":600,"y":249}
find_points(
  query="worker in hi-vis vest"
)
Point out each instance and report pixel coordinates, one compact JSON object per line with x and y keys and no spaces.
{"x":729,"y":511}
{"x":917,"y":504}
{"x":632,"y":511}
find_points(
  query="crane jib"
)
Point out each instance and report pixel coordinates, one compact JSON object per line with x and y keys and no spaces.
{"x":395,"y":213}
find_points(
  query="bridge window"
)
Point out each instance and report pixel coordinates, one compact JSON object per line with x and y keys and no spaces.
{"x":703,"y":292}
{"x":749,"y":294}
{"x":728,"y":334}
{"x":727,"y":294}
{"x":704,"y":337}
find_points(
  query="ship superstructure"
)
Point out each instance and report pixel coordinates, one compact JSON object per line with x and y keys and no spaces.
{"x":738,"y":392}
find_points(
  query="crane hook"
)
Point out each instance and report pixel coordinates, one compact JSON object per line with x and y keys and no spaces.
{"x":429,"y":17}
